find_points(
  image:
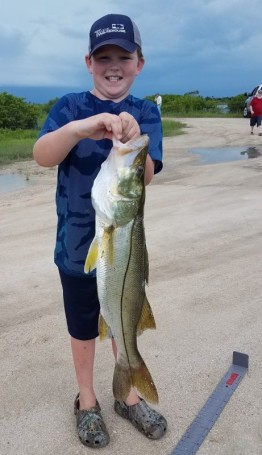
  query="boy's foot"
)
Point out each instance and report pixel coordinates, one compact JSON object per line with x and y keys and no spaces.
{"x":148,"y":421}
{"x":90,"y":426}
{"x":260,"y":134}
{"x":251,"y":132}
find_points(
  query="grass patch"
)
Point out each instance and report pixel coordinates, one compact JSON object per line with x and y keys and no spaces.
{"x":16,"y":145}
{"x":172,"y":127}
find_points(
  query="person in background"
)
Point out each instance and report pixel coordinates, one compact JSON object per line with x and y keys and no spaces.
{"x":77,"y":136}
{"x":256,"y":112}
{"x":158,"y":100}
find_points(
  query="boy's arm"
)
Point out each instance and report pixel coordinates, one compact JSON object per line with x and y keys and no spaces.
{"x":52,"y":148}
{"x":149,"y":171}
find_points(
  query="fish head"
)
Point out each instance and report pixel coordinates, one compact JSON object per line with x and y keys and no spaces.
{"x":118,"y":191}
{"x":130,"y":164}
{"x":129,"y":189}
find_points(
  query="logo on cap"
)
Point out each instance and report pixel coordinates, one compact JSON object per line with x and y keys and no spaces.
{"x":114,"y":28}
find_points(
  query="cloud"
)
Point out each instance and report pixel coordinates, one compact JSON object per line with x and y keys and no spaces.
{"x":195,"y":44}
{"x":13,"y":43}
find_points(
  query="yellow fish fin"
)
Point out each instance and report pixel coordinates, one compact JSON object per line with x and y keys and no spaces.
{"x":125,"y":378}
{"x":103,"y":328}
{"x":147,"y":320}
{"x":142,"y":380}
{"x":92,"y":256}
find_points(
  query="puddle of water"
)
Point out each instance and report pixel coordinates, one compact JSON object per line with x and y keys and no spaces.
{"x":221,"y":155}
{"x":12,"y":182}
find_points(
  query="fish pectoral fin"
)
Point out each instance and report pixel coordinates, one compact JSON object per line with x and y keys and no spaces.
{"x":92,"y":256}
{"x":103,"y":328}
{"x":147,"y":320}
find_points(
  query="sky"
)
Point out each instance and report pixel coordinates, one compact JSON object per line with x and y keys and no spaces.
{"x":212,"y":46}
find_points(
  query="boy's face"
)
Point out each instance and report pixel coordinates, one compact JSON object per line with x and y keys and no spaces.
{"x":113,"y":70}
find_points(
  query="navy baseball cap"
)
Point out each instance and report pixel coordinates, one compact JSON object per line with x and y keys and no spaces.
{"x":114,"y":29}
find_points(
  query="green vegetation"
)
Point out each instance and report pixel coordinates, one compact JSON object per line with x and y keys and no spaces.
{"x":236,"y":104}
{"x":172,"y":127}
{"x":20,"y":121}
{"x":191,"y":105}
{"x":16,"y":113}
{"x":16,"y":145}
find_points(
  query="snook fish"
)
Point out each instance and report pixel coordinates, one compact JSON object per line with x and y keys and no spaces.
{"x":119,"y":254}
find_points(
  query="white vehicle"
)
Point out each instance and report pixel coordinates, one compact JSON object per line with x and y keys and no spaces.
{"x":250,"y":96}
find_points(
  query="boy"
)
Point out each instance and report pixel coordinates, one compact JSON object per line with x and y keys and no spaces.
{"x":77,"y":136}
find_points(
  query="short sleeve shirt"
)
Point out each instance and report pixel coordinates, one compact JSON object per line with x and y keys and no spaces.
{"x":76,"y":174}
{"x":256,"y":103}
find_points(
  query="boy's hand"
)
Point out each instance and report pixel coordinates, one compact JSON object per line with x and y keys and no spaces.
{"x":100,"y":126}
{"x":130,"y":127}
{"x":106,"y":126}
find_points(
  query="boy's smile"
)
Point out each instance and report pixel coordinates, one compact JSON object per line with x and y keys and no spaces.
{"x":113,"y":78}
{"x":114,"y":71}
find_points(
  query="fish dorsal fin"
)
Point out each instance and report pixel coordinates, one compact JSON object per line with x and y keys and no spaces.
{"x":92,"y":256}
{"x":147,"y":320}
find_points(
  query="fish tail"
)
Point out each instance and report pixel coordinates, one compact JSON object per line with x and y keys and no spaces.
{"x":144,"y":383}
{"x":139,"y":377}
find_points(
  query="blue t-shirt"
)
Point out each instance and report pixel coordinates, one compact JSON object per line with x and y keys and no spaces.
{"x":76,"y":216}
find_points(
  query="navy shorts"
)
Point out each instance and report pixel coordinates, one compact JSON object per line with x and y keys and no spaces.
{"x":81,"y":305}
{"x":256,"y":120}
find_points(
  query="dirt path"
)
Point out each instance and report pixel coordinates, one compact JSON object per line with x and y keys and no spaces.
{"x":204,"y":235}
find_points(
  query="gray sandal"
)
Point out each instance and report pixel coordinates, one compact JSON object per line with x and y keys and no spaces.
{"x":148,"y":421}
{"x":90,"y":426}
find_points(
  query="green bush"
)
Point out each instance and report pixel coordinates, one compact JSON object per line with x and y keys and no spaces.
{"x":236,"y":103}
{"x":16,"y":113}
{"x":195,"y":105}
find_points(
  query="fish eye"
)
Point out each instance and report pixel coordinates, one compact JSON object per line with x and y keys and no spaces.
{"x":140,"y":170}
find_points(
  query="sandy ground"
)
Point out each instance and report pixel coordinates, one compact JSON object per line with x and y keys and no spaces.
{"x":204,"y":236}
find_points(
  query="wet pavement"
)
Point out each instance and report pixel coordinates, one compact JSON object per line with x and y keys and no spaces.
{"x":12,"y":182}
{"x":215,"y":155}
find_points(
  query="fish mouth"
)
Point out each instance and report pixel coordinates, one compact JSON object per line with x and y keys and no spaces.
{"x":133,"y":145}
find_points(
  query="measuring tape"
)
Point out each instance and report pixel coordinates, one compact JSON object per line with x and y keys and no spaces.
{"x":207,"y":416}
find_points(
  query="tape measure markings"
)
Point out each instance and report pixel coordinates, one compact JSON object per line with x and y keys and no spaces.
{"x":207,"y":416}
